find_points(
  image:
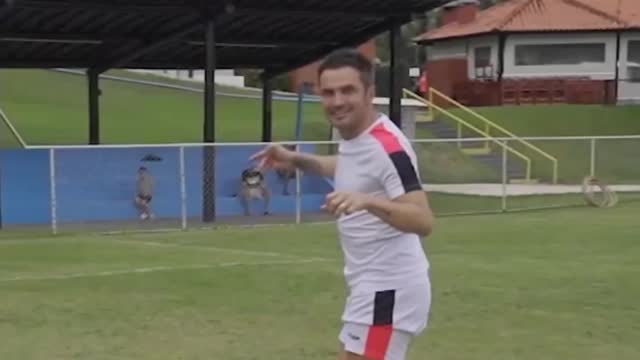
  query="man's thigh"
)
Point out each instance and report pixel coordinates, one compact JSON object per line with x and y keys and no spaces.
{"x":363,"y":342}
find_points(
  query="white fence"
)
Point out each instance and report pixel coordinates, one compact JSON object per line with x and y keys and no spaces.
{"x":92,"y":188}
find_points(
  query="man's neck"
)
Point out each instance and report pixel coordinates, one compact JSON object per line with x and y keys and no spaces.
{"x":370,"y":119}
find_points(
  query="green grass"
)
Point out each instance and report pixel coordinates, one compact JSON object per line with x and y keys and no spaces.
{"x":548,"y":285}
{"x":565,"y":120}
{"x":190,"y":84}
{"x":614,"y":158}
{"x":51,"y":108}
{"x":444,"y":163}
{"x":454,"y":204}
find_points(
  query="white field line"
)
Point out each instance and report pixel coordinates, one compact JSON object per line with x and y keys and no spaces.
{"x":208,"y":248}
{"x":160,"y":244}
{"x":154,"y":269}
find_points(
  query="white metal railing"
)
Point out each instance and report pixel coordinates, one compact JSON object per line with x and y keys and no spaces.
{"x":498,"y":192}
{"x":5,"y":119}
{"x":331,"y":142}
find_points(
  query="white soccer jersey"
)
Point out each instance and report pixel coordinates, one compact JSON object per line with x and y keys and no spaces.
{"x":382,"y":163}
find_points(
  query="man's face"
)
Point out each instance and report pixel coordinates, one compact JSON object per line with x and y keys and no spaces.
{"x":345,"y":99}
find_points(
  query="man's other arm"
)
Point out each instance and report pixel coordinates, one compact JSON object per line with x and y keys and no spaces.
{"x":409,"y":212}
{"x":406,"y":206}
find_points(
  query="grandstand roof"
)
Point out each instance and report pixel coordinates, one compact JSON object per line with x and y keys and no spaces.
{"x":275,"y":34}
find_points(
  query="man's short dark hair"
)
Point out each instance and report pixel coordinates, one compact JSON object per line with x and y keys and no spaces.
{"x":352,"y":58}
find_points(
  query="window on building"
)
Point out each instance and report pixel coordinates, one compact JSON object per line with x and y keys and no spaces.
{"x":559,"y":54}
{"x":633,"y":51}
{"x":482,"y":61}
{"x":633,"y":60}
{"x":482,"y":56}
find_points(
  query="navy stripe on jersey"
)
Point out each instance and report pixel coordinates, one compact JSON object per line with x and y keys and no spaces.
{"x":406,"y":171}
{"x":399,"y":157}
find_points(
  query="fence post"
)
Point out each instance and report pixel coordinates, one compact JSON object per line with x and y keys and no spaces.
{"x":505,"y":178}
{"x":298,"y":193}
{"x":183,"y":189}
{"x":52,"y":190}
{"x":592,"y":170}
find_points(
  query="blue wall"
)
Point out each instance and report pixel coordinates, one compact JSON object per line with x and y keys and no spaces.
{"x":24,"y":185}
{"x":100,"y":184}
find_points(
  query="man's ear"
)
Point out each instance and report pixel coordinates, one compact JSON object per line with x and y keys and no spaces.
{"x":371,"y":91}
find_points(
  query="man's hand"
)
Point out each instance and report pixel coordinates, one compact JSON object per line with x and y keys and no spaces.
{"x":274,"y":156}
{"x":338,"y":203}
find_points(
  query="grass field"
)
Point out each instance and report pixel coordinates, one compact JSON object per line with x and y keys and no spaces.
{"x":51,"y":108}
{"x":615,"y":159}
{"x":554,"y":284}
{"x":549,"y":285}
{"x":57,"y":102}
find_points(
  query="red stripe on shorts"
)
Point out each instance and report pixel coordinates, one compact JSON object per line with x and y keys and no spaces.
{"x":378,"y":341}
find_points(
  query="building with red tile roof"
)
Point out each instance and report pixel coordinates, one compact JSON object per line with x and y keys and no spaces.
{"x":576,"y":51}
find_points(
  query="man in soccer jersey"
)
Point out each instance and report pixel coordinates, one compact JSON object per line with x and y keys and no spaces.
{"x":381,"y":210}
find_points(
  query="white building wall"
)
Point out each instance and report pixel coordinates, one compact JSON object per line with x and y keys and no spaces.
{"x":450,"y":49}
{"x":628,"y":89}
{"x":596,"y":71}
{"x":465,"y":49}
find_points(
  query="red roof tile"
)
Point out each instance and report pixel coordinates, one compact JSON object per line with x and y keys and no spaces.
{"x":545,"y":15}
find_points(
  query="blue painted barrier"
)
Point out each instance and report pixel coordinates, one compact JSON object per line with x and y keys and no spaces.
{"x":99,"y":184}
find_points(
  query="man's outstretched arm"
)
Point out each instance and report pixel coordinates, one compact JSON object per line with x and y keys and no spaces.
{"x":276,"y":156}
{"x":322,"y":165}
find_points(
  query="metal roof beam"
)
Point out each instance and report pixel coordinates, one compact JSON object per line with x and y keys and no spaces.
{"x":50,"y":38}
{"x":311,"y":14}
{"x":82,"y":64}
{"x":92,"y":6}
{"x":263,"y":43}
{"x":90,"y":39}
{"x":150,"y":47}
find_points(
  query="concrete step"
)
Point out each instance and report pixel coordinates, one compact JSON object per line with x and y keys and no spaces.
{"x":476,"y":149}
{"x":475,"y":144}
{"x":494,"y":161}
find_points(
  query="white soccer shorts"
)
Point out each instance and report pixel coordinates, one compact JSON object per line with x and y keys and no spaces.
{"x":381,"y":325}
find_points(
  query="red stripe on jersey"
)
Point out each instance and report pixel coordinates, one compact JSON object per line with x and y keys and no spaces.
{"x":388,"y":140}
{"x":378,"y":341}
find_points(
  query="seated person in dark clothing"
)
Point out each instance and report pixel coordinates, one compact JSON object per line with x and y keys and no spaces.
{"x":254,"y":186}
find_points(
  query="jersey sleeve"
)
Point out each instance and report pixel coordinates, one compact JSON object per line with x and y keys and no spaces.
{"x":399,"y":175}
{"x":397,"y":172}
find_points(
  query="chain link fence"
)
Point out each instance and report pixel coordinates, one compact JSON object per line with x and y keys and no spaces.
{"x":96,"y":188}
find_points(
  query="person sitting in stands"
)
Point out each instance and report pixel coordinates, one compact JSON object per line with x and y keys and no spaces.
{"x":145,"y":185}
{"x":253,"y":186}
